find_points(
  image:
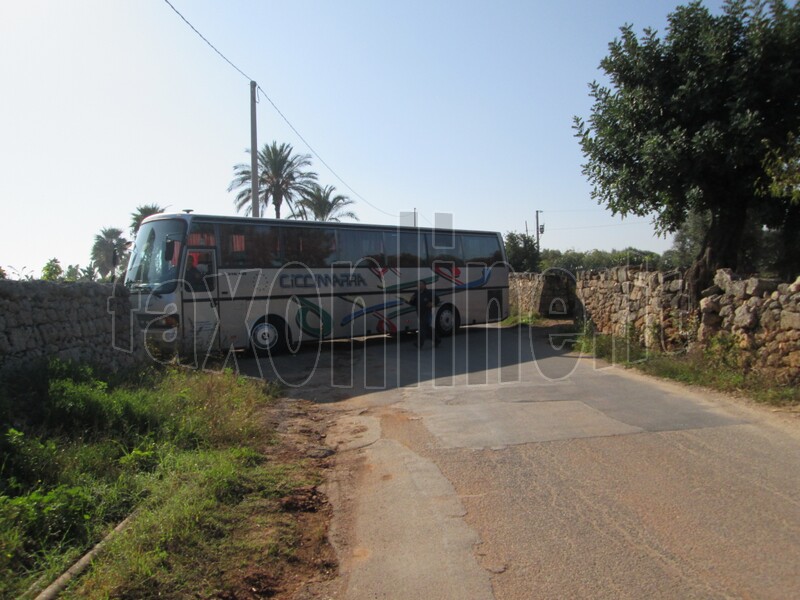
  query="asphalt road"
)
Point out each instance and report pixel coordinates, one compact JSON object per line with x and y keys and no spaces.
{"x":501,"y":466}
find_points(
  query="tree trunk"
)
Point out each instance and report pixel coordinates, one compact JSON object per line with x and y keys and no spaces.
{"x":720,"y":248}
{"x":277,"y":200}
{"x":789,"y":265}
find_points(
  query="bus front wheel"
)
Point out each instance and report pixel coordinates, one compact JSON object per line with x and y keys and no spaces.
{"x":447,"y":321}
{"x":270,"y":335}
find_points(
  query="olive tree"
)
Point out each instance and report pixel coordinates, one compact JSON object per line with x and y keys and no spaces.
{"x":688,"y":121}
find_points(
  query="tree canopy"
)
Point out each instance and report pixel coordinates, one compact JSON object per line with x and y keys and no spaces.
{"x":597,"y":260}
{"x":689,"y":121}
{"x":109,"y":251}
{"x":141,"y":213}
{"x":283,"y":175}
{"x":320,"y":203}
{"x":52,"y":271}
{"x":521,"y":252}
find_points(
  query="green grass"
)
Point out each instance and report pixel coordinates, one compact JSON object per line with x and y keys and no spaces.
{"x":80,"y":454}
{"x":183,"y":538}
{"x":514,"y":318}
{"x":720,"y":365}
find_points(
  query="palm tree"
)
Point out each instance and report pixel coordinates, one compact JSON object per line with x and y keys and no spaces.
{"x":141,"y":213}
{"x":88,"y":273}
{"x":109,"y":251}
{"x":319,"y":203}
{"x":282,"y":177}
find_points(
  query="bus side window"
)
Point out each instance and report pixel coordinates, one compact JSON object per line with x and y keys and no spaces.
{"x":483,"y":249}
{"x":406,"y":249}
{"x":250,"y":246}
{"x":199,"y":274}
{"x":446,"y":248}
{"x":311,"y":246}
{"x":201,"y":234}
{"x":362,"y":248}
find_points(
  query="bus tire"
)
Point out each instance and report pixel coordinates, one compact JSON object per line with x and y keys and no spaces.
{"x":270,"y":334}
{"x":448,"y":321}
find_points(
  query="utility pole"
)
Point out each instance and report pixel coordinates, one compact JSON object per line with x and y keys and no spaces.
{"x":538,"y":248}
{"x":253,"y":151}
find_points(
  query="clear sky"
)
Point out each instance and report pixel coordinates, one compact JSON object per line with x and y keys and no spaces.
{"x":444,"y":106}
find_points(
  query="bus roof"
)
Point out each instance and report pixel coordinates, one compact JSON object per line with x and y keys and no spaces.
{"x":188,"y":217}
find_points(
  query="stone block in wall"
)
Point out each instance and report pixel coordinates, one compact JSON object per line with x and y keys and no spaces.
{"x":710,"y":304}
{"x":669,"y":275}
{"x":790,"y":320}
{"x":738,"y":289}
{"x":713,"y":290}
{"x":680,"y":302}
{"x":757,"y":287}
{"x":676,"y":285}
{"x":792,"y":359}
{"x":744,"y":317}
{"x":723,"y":279}
{"x":771,"y":318}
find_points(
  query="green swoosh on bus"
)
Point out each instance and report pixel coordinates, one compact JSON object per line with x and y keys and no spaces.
{"x":325,"y":319}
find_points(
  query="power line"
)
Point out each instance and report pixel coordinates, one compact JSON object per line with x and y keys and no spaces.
{"x":202,"y":37}
{"x":597,"y":226}
{"x":314,"y":152}
{"x":292,"y":127}
{"x":572,"y":210}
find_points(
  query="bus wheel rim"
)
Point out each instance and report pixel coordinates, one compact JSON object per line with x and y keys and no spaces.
{"x":265,"y":335}
{"x":446,"y":318}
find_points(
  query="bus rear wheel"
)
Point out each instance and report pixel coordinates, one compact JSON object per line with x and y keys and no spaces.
{"x":270,"y":335}
{"x":448,"y":321}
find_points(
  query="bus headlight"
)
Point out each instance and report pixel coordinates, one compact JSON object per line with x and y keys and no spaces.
{"x":165,"y":322}
{"x":168,"y":322}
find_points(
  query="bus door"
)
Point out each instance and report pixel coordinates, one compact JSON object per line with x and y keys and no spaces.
{"x":200,"y":310}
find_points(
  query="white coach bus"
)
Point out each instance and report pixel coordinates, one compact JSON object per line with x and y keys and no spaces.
{"x":210,"y":283}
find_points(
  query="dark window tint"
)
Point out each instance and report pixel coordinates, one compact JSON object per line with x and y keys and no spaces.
{"x":443,"y":239}
{"x":483,"y":249}
{"x":405,"y":249}
{"x":360,"y":247}
{"x":446,"y":248}
{"x":201,"y":234}
{"x":199,"y":274}
{"x":249,"y":246}
{"x":311,"y":246}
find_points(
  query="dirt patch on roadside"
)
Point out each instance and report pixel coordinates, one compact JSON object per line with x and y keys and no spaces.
{"x":282,"y":546}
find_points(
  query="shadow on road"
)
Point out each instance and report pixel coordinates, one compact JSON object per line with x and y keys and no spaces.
{"x":334,"y":370}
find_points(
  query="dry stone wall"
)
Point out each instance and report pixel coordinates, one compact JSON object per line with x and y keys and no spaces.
{"x":762,"y":315}
{"x":551,"y":294}
{"x":83,"y":322}
{"x":657,"y":308}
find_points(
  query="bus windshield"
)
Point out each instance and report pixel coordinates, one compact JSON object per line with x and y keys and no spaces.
{"x":154,"y":260}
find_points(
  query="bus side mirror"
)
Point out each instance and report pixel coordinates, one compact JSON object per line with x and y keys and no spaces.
{"x":169,"y":250}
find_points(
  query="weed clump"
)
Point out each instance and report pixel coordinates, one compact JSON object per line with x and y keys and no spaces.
{"x":79,"y":453}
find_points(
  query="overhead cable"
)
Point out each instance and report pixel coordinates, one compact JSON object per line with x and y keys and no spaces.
{"x":292,"y":127}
